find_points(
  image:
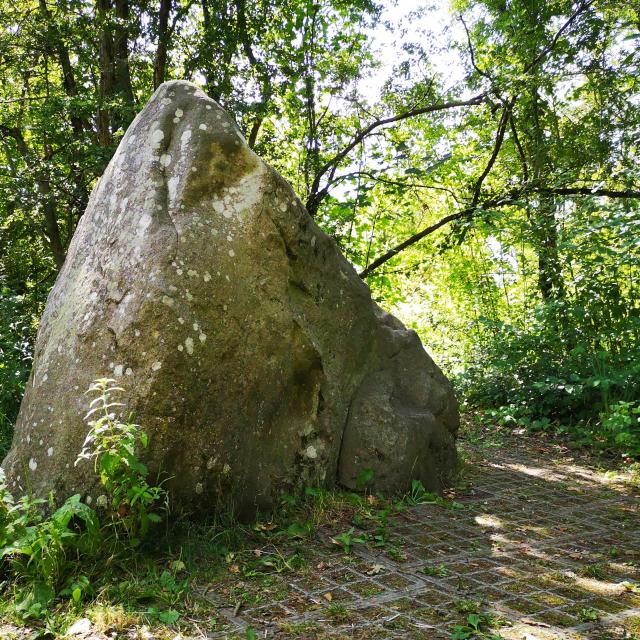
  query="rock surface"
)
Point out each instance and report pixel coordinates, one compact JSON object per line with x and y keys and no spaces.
{"x":250,"y":351}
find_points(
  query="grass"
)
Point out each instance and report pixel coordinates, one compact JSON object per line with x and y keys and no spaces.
{"x":172,"y":581}
{"x":180,"y":579}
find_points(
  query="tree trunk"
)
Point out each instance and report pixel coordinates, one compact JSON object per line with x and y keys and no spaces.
{"x":125,"y":110}
{"x":107,"y":73}
{"x":550,"y":280}
{"x":160,"y":61}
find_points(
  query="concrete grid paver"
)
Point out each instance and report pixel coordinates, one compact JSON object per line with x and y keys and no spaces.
{"x":543,"y":540}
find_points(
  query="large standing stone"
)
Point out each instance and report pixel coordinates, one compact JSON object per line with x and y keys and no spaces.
{"x":250,"y":351}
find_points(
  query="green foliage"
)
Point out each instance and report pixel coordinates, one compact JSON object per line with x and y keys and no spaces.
{"x":440,"y":571}
{"x":47,"y":555}
{"x":113,"y":446}
{"x":419,"y":495}
{"x":477,"y":626}
{"x":41,"y":551}
{"x":16,"y":339}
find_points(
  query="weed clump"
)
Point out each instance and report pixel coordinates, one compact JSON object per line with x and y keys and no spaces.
{"x":43,"y":557}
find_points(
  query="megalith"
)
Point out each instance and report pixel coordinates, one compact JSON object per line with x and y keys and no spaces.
{"x":249,"y":349}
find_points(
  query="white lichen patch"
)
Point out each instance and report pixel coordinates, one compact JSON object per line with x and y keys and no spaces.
{"x":199,"y":488}
{"x":165,"y":159}
{"x":157,"y":137}
{"x":232,"y":253}
{"x":203,"y":127}
{"x":156,"y":366}
{"x":311,"y":452}
{"x":207,"y":276}
{"x":118,"y":370}
{"x":168,"y":301}
{"x":188,"y":343}
{"x":196,"y":326}
{"x":202,"y":337}
{"x":179,"y":113}
{"x":172,"y":186}
{"x":50,"y":451}
{"x":184,"y":139}
{"x":33,"y":465}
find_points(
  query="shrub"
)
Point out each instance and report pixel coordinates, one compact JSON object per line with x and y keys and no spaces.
{"x":44,"y":555}
{"x":113,"y":446}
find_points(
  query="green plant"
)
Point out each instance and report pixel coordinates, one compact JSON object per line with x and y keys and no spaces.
{"x":46,"y":554}
{"x":588,"y":614}
{"x":621,"y":427}
{"x":594,"y":571}
{"x":440,"y":571}
{"x":477,"y":626}
{"x":40,"y":551}
{"x":113,"y":445}
{"x":347,"y":539}
{"x":419,"y":495}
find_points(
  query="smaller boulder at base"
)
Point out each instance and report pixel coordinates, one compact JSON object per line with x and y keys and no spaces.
{"x":249,"y":349}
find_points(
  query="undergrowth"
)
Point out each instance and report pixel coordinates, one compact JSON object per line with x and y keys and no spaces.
{"x":102,"y":563}
{"x":44,"y":558}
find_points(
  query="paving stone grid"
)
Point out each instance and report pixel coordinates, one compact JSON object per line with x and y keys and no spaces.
{"x":544,"y":540}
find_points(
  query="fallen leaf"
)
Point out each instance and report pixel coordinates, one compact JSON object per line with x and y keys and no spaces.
{"x":234,"y":568}
{"x":328,"y":596}
{"x":375,"y":570}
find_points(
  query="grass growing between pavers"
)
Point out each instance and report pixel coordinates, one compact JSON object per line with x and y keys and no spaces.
{"x":534,"y":535}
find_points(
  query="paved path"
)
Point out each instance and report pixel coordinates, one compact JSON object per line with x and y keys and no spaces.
{"x":545,"y":546}
{"x":535,"y":543}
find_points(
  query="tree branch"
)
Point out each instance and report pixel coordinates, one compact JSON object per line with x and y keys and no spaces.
{"x":516,"y":141}
{"x":502,"y":127}
{"x":509,"y":199}
{"x":581,"y":7}
{"x":317,"y":194}
{"x":471,"y":52}
{"x":586,"y":191}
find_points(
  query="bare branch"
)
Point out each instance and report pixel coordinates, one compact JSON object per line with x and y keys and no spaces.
{"x":509,"y":199}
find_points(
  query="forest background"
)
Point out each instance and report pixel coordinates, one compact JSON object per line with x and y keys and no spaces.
{"x":477,"y":161}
